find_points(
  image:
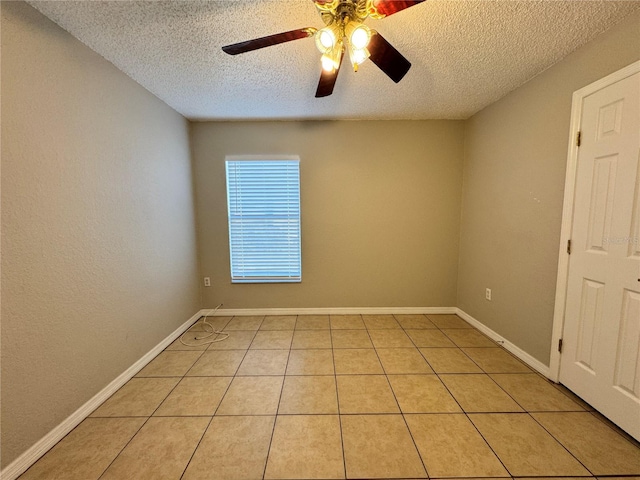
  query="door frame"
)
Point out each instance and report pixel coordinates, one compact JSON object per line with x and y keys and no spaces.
{"x":567,"y":208}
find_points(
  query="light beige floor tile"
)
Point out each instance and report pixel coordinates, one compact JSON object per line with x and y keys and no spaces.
{"x":614,"y":427}
{"x":310,"y":362}
{"x":450,"y":446}
{"x":448,"y":321}
{"x":308,"y":395}
{"x":272,"y":340}
{"x":357,"y":361}
{"x":564,"y":390}
{"x":379,"y":446}
{"x":218,"y":323}
{"x":570,"y":478}
{"x":252,"y":396}
{"x":377,"y":322}
{"x":545,"y":478}
{"x":429,"y":338}
{"x":218,"y":363}
{"x":468,"y":337}
{"x":449,"y":360}
{"x":524,"y":447}
{"x":237,"y":340}
{"x":618,"y":478}
{"x":365,"y":394}
{"x":194,"y":339}
{"x":598,"y":447}
{"x":87,"y":451}
{"x":351,"y":339}
{"x":422,"y":394}
{"x":347,"y":322}
{"x":139,"y":397}
{"x":170,"y":364}
{"x":390,"y":338}
{"x":146,"y":458}
{"x":414,"y":321}
{"x":264,"y":362}
{"x":534,"y":393}
{"x":233,"y":448}
{"x":479,"y":393}
{"x":313,"y":322}
{"x":244,"y":323}
{"x":403,"y":360}
{"x":496,"y":360}
{"x":278,"y":322}
{"x":194,"y":396}
{"x":311,"y":339}
{"x":306,"y":446}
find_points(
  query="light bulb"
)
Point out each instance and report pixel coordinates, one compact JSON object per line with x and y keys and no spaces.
{"x":327,"y":64}
{"x":360,"y":37}
{"x":327,"y":38}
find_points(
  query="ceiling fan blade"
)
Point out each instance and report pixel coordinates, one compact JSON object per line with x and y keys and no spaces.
{"x":328,"y":81}
{"x":387,"y":58}
{"x":268,"y":41}
{"x":384,"y":8}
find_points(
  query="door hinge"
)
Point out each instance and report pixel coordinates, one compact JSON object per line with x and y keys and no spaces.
{"x":579,"y":138}
{"x":569,"y":246}
{"x":560,"y":345}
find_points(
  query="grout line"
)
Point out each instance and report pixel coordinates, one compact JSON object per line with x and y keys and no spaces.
{"x":462,"y":410}
{"x":219,"y":403}
{"x":154,"y":410}
{"x":275,"y":418}
{"x":335,"y":381}
{"x":205,"y":430}
{"x":386,"y":376}
{"x":560,"y":443}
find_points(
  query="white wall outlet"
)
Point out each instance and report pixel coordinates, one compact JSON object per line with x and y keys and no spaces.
{"x":487,"y":294}
{"x":207,"y":281}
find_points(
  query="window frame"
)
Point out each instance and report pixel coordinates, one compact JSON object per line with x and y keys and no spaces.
{"x":262,"y":279}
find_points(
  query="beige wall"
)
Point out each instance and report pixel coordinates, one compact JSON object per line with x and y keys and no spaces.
{"x":514,"y":172}
{"x":380,"y":211}
{"x":98,"y":244}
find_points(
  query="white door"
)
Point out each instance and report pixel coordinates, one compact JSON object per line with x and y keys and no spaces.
{"x":601,"y":339}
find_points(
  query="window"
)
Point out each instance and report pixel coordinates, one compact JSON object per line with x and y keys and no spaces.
{"x":263,"y":197}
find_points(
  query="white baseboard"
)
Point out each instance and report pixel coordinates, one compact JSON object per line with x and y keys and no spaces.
{"x":332,"y":311}
{"x":42,"y":446}
{"x":518,"y":352}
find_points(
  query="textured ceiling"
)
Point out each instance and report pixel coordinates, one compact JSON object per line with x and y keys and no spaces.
{"x":465,"y":54}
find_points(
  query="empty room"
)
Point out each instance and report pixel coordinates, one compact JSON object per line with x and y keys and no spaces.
{"x":320,"y":239}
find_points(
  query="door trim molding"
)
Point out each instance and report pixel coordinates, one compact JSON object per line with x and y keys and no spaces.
{"x":567,"y":208}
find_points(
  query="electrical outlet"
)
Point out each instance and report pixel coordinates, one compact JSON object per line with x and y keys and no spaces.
{"x":487,"y":294}
{"x":207,"y":281}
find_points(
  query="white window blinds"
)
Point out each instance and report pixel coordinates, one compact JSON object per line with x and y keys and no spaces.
{"x":263,"y":198}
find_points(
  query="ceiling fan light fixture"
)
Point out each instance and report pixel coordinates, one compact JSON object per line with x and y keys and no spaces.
{"x":344,"y":30}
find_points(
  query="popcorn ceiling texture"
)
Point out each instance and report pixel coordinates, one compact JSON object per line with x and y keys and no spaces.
{"x":465,"y":54}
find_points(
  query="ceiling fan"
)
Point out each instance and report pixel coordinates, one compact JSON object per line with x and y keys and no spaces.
{"x":344,"y":31}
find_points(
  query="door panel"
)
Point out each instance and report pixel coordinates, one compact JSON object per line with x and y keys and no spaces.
{"x":602,"y":194}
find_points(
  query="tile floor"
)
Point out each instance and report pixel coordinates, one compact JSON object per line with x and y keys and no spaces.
{"x":351,"y":396}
